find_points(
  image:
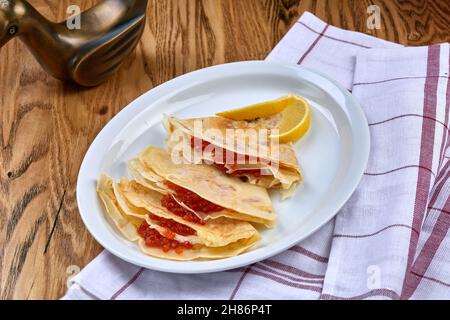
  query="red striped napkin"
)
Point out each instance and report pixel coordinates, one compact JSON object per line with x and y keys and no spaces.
{"x":391,"y":238}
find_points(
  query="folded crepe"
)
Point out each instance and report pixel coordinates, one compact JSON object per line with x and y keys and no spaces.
{"x":247,"y":153}
{"x":201,"y":192}
{"x":139,"y":216}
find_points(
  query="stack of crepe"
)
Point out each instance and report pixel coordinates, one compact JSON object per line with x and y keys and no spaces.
{"x":142,"y":209}
{"x":197,"y":211}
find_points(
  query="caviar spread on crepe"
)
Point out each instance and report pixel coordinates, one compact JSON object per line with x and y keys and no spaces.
{"x":239,"y":200}
{"x":277,"y":169}
{"x":174,"y":202}
{"x":159,"y":235}
{"x":137,"y":200}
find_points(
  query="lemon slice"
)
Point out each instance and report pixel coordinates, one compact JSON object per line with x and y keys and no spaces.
{"x":259,"y":110}
{"x":295,"y":121}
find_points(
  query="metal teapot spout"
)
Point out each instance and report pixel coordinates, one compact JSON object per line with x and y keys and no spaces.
{"x":89,"y":55}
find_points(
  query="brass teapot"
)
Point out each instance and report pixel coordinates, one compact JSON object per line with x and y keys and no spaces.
{"x":88,"y":55}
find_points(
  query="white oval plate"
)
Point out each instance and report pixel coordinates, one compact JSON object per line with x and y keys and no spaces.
{"x":333,"y":154}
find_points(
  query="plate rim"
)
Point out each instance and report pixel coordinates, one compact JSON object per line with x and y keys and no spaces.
{"x":221,"y":264}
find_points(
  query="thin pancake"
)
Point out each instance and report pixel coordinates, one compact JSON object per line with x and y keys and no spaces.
{"x":285,"y":157}
{"x":128,"y":226}
{"x":284,"y":173}
{"x":212,"y":185}
{"x":145,"y":177}
{"x":226,"y":213}
{"x":203,"y":253}
{"x":214,"y":233}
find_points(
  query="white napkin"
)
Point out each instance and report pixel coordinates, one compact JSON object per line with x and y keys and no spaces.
{"x":390,"y":239}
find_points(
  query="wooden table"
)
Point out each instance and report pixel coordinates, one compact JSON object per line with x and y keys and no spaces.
{"x":46,"y":126}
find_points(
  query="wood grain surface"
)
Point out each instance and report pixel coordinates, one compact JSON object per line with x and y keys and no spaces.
{"x":46,"y":126}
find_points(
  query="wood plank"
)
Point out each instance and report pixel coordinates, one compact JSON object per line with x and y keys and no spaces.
{"x":46,"y":126}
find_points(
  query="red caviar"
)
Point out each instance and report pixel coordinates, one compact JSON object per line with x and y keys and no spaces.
{"x":193,"y":200}
{"x":154,"y":239}
{"x":173,"y":226}
{"x":204,"y":144}
{"x":170,"y":204}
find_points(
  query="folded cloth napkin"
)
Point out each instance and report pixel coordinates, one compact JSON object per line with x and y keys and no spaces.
{"x":390,"y":240}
